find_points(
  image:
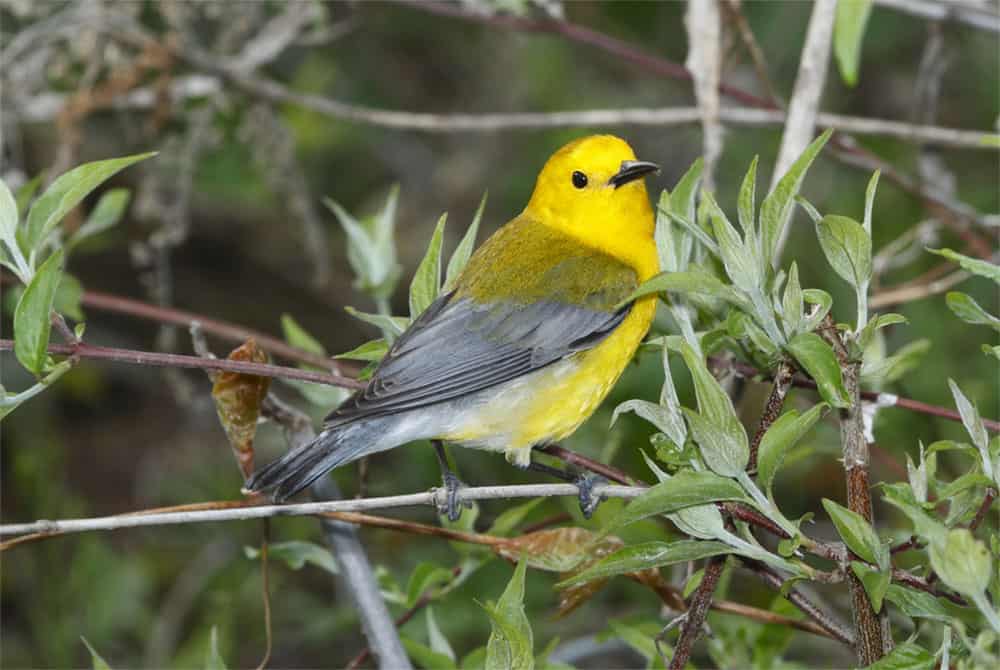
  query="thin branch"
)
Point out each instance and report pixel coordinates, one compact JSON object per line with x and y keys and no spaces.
{"x":135,"y":357}
{"x":984,"y":508}
{"x":804,"y":104}
{"x":701,"y":601}
{"x":911,"y":292}
{"x":772,"y":408}
{"x":966,"y":13}
{"x":428,"y":498}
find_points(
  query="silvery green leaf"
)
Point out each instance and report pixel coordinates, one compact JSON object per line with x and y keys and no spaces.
{"x":973,"y":265}
{"x":747,"y":206}
{"x":857,"y":533}
{"x":8,"y":216}
{"x":870,"y":201}
{"x":439,"y":642}
{"x":669,"y":400}
{"x":777,"y":206}
{"x":760,"y":340}
{"x":296,"y":554}
{"x":848,"y":30}
{"x":66,"y":192}
{"x":894,"y":367}
{"x":810,"y":208}
{"x":875,"y":583}
{"x":510,"y":644}
{"x":847,"y":247}
{"x":685,"y":489}
{"x":10,"y":402}
{"x":818,"y":359}
{"x":968,"y":310}
{"x":673,"y":245}
{"x":394,"y":325}
{"x":993,"y":351}
{"x":905,"y":656}
{"x":362,"y":253}
{"x":917,"y":604}
{"x":723,"y":448}
{"x":694,"y":280}
{"x":107,"y":213}
{"x":646,"y":556}
{"x":26,"y":193}
{"x":713,"y":402}
{"x":737,"y":258}
{"x":371,"y":250}
{"x":694,"y":229}
{"x":426,"y":657}
{"x":962,"y":562}
{"x":96,"y":660}
{"x":969,"y":480}
{"x":783,"y":434}
{"x":701,"y":521}
{"x":918,"y":475}
{"x":32,"y":316}
{"x":661,"y":417}
{"x":791,"y":303}
{"x":683,"y":199}
{"x":823,"y":302}
{"x":426,"y":282}
{"x":213,"y":657}
{"x":463,"y":252}
{"x":971,"y":419}
{"x":880,"y":321}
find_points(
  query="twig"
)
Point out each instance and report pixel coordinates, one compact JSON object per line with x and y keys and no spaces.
{"x":422,"y":602}
{"x":916,"y":291}
{"x":704,"y":62}
{"x":914,"y":582}
{"x":991,"y":493}
{"x":735,"y":12}
{"x":135,"y":357}
{"x":426,"y":498}
{"x":772,"y":408}
{"x":874,"y":636}
{"x":797,"y":598}
{"x":804,"y":104}
{"x":967,"y":13}
{"x":610,"y":472}
{"x":701,"y":601}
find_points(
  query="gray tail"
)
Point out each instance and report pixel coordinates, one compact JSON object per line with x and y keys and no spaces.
{"x":335,"y":446}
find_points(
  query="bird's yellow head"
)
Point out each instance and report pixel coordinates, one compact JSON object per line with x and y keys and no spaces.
{"x":593,"y":190}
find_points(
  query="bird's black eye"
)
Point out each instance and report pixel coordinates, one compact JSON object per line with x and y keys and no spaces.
{"x":579,"y":179}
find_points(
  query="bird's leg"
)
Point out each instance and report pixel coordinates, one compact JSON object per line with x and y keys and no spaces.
{"x":452,"y":484}
{"x":583,"y":482}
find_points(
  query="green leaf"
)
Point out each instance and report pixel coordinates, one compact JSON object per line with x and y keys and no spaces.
{"x":371,"y":249}
{"x":777,"y":206}
{"x":374,"y":351}
{"x":439,"y":643}
{"x":875,"y":583}
{"x":8,"y":403}
{"x":97,"y":662}
{"x":26,"y":193}
{"x":973,"y":265}
{"x":738,"y":260}
{"x":8,"y":215}
{"x":701,"y":521}
{"x":917,"y":604}
{"x":32,"y":315}
{"x":682,"y":200}
{"x":823,"y":301}
{"x":896,"y":366}
{"x":297,"y":336}
{"x":463,"y":252}
{"x":968,"y":310}
{"x":693,"y":229}
{"x":780,"y":437}
{"x":847,"y":247}
{"x":394,"y":325}
{"x":426,"y":657}
{"x":66,"y":192}
{"x":993,"y":351}
{"x":107,"y":213}
{"x":694,"y":280}
{"x":858,"y":534}
{"x":791,"y":303}
{"x":426,"y":282}
{"x":726,"y":452}
{"x":685,"y":489}
{"x":848,"y":30}
{"x":905,"y":656}
{"x":870,"y":201}
{"x":68,"y":297}
{"x":746,"y":205}
{"x":973,"y":422}
{"x":296,"y":554}
{"x":510,"y":644}
{"x":877,"y":323}
{"x":424,"y":577}
{"x":961,"y":561}
{"x":512,"y":517}
{"x":819,"y":361}
{"x":971,"y":479}
{"x":645,"y":556}
{"x":213,"y":659}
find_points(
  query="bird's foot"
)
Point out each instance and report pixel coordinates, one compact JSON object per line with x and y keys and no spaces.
{"x":588,"y":500}
{"x":451,"y":506}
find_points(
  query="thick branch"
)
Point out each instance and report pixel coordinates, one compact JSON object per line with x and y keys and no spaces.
{"x":701,"y":601}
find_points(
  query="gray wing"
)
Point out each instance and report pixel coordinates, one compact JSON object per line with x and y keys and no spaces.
{"x":458,"y":346}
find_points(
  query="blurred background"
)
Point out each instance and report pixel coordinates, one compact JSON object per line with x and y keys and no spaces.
{"x":228,"y":222}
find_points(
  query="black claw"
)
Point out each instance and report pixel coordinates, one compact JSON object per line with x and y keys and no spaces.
{"x":452,"y":507}
{"x":588,"y":501}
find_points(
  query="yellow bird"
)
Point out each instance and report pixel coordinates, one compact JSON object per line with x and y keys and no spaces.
{"x":530,"y":340}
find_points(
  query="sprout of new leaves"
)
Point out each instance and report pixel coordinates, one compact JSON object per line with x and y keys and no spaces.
{"x":34,"y":250}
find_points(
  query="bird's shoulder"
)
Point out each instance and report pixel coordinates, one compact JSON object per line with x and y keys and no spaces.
{"x":526,"y":261}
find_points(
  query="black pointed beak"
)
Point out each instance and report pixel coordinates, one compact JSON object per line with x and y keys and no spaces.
{"x":632,"y":170}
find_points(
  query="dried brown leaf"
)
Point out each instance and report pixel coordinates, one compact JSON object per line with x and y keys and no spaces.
{"x":237,"y":401}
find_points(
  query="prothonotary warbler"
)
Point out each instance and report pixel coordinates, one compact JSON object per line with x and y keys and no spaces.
{"x":528,"y":343}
